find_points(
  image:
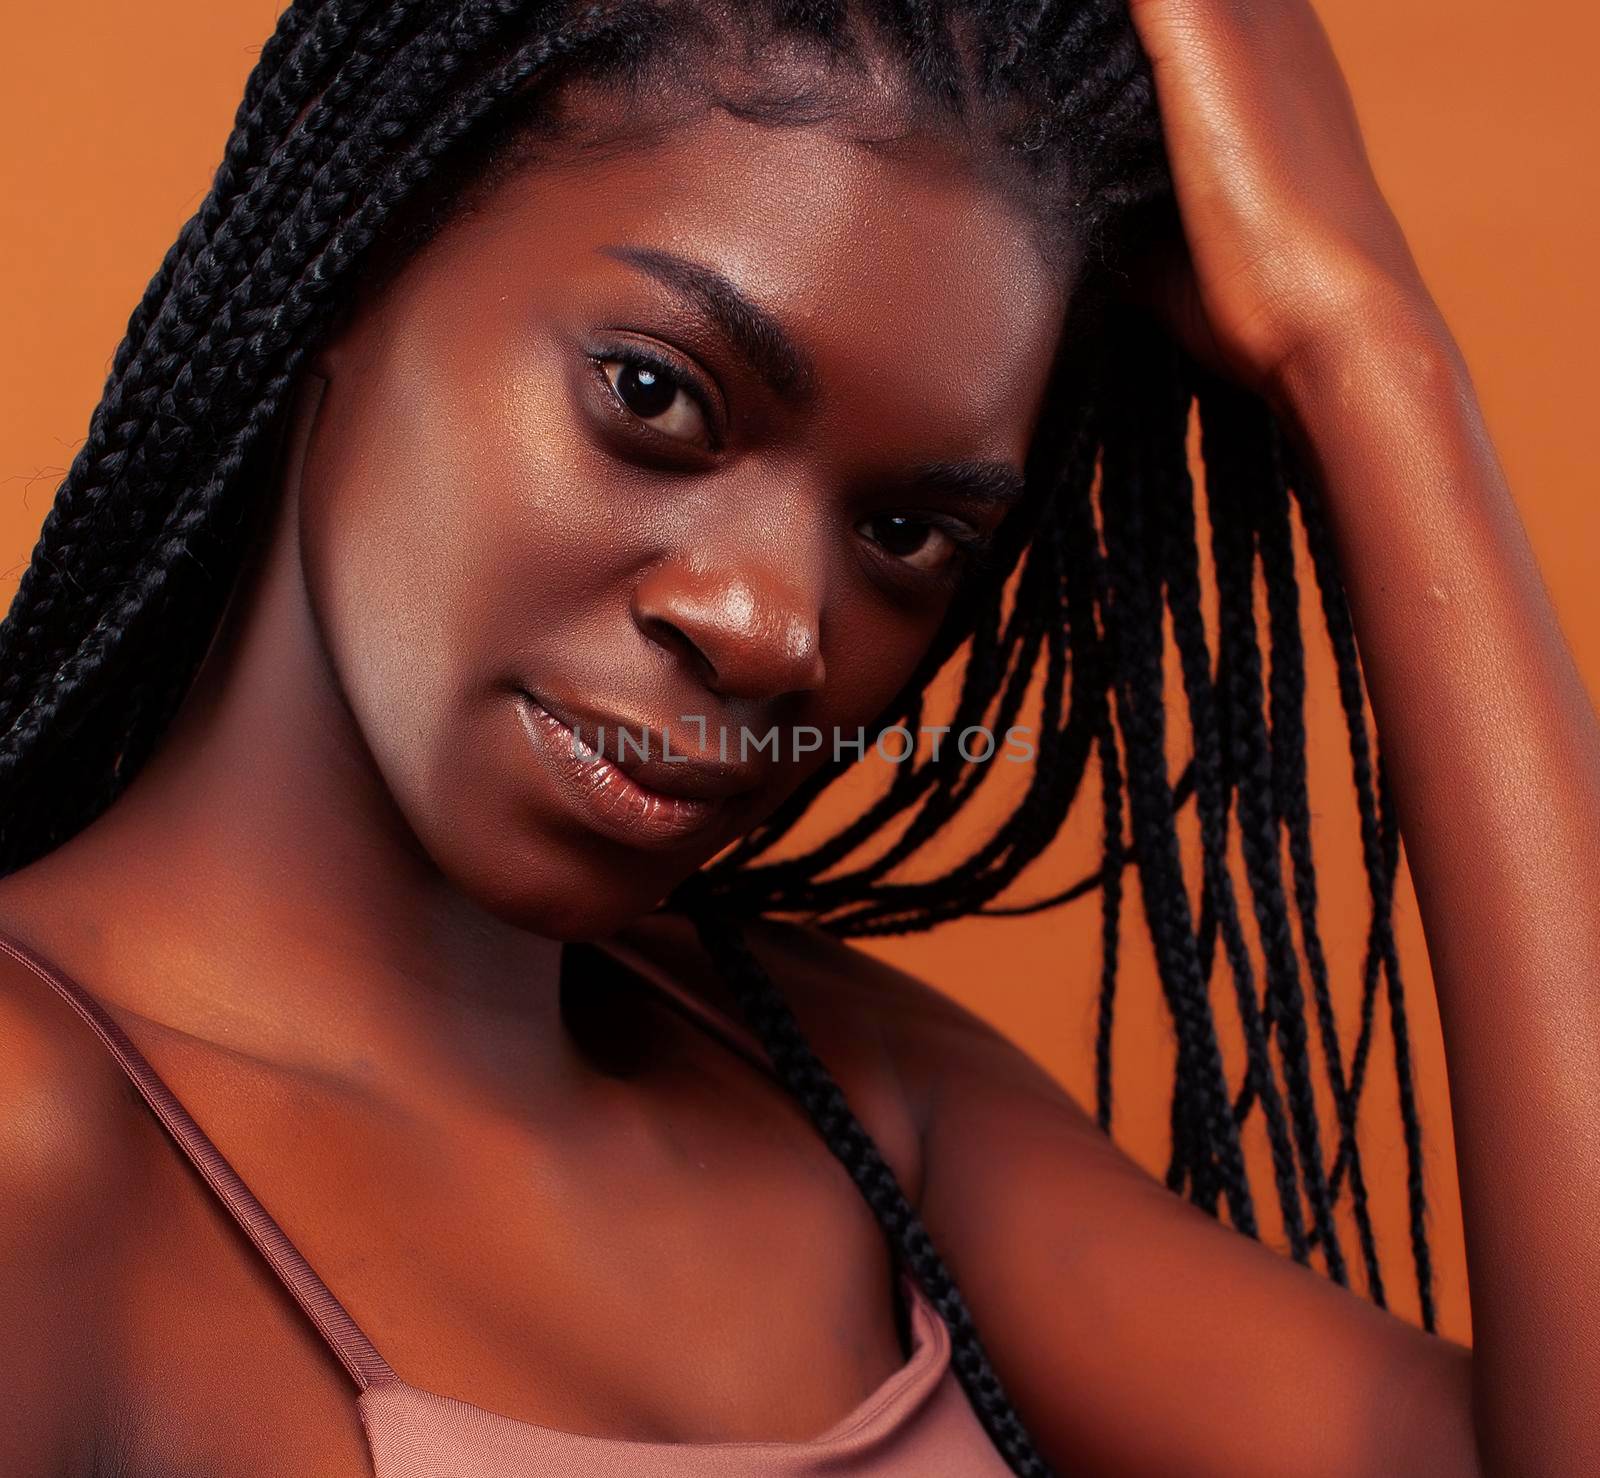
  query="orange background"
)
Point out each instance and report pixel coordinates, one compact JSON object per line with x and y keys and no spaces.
{"x":112,"y":118}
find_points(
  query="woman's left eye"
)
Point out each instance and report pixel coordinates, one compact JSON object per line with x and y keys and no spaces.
{"x":658,"y":397}
{"x":914,"y":541}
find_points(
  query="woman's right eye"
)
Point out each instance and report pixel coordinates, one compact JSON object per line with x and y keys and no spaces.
{"x":658,"y":396}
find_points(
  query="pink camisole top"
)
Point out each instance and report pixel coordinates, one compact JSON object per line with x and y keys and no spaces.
{"x":917,"y":1424}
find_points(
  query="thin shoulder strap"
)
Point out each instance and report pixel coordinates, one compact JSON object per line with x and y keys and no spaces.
{"x":343,"y":1335}
{"x":698,"y":1012}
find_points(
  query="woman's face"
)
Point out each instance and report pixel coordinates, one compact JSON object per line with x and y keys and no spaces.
{"x":689,"y":442}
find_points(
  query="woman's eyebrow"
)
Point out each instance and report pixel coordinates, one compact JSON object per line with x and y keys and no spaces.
{"x":982,"y":481}
{"x":757,"y":336}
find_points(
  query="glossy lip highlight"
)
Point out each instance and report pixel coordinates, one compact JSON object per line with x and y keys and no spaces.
{"x":612,"y":801}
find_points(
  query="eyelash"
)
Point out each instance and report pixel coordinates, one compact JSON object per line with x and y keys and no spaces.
{"x":977,"y":553}
{"x":639,"y":358}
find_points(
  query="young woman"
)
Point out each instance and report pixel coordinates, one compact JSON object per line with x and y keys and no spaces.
{"x":538,"y":367}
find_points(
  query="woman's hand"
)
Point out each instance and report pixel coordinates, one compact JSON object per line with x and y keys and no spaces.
{"x":1289,"y":246}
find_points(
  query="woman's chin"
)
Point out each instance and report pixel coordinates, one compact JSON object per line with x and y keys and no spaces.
{"x":562,"y":892}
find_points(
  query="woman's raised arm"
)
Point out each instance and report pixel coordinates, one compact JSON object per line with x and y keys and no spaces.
{"x":1296,"y":281}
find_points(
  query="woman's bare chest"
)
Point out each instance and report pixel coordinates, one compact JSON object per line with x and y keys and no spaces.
{"x":700,"y":1273}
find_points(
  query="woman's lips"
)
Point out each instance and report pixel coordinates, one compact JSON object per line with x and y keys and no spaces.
{"x":609,"y":800}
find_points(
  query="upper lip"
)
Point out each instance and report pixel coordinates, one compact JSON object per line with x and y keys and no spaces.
{"x":686,"y":775}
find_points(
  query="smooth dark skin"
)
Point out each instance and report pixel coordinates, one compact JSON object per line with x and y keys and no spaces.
{"x":316,"y":921}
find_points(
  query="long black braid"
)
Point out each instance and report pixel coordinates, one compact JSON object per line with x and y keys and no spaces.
{"x":360,"y":117}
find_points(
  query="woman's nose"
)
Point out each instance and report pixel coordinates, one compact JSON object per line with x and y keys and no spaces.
{"x":744,"y":627}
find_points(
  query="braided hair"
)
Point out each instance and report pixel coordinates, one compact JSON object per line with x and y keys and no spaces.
{"x":364,"y":120}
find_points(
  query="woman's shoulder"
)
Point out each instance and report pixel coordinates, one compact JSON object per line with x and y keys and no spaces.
{"x":70,"y":1172}
{"x":66,"y":1111}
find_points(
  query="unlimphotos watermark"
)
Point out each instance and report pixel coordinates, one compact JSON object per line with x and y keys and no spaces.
{"x":977,"y":743}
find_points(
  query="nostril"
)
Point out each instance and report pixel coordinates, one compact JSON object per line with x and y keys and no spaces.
{"x":673,"y":640}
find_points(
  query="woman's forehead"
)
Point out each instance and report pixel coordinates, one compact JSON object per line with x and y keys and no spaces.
{"x":848,"y":242}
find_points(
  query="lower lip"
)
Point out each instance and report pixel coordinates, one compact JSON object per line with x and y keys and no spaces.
{"x":610,"y":801}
